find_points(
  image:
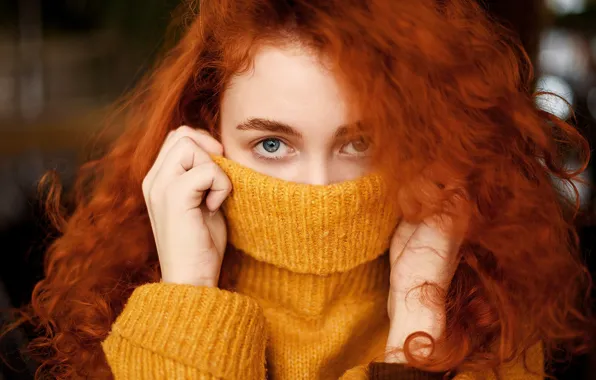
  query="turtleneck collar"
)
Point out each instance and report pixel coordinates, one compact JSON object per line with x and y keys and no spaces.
{"x":313,"y":258}
{"x":309,"y":229}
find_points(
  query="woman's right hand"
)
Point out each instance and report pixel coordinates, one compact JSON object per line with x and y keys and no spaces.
{"x":184,"y":191}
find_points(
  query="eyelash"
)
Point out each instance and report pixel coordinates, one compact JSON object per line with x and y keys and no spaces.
{"x":264,"y":157}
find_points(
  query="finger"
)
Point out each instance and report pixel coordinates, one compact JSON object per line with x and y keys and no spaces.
{"x":150,"y":176}
{"x":182,"y":157}
{"x":204,"y":139}
{"x":220,"y":189}
{"x":168,"y":143}
{"x":191,"y":186}
{"x":201,"y":137}
{"x":207,"y":142}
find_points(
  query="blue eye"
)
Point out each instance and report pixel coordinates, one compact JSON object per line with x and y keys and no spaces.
{"x":272,"y":148}
{"x":271,"y":145}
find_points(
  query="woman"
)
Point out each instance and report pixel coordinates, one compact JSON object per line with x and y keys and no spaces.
{"x":355,"y":183}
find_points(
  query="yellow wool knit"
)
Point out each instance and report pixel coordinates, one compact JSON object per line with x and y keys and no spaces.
{"x":303,"y":292}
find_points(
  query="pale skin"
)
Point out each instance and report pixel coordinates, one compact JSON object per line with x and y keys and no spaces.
{"x":286,"y":118}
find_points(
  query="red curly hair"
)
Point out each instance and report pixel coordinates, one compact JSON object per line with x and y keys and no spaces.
{"x":448,"y":88}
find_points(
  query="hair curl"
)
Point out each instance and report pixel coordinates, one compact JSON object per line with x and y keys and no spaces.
{"x":443,"y":87}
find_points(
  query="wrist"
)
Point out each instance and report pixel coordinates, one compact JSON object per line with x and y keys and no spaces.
{"x":194,"y":281}
{"x":412,"y":316}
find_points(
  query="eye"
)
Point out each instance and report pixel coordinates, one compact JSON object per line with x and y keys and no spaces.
{"x":359,"y":147}
{"x":272,"y":149}
{"x":271,"y":145}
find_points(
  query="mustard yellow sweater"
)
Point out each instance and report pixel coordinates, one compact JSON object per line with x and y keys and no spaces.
{"x":303,"y":293}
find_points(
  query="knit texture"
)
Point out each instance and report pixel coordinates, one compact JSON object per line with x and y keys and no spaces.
{"x":313,"y":258}
{"x":315,"y":229}
{"x":303,"y":292}
{"x":180,"y":331}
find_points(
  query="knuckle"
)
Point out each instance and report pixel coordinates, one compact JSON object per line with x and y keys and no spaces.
{"x":151,"y":198}
{"x":204,"y":134}
{"x":225,"y":180}
{"x":184,"y":129}
{"x":171,"y":134}
{"x":218,"y":148}
{"x":186,"y":142}
{"x":210,"y":142}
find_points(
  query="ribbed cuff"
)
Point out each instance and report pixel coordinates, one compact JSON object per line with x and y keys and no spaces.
{"x":212,"y":330}
{"x":393,"y":371}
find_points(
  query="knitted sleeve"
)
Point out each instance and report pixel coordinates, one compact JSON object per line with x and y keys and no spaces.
{"x":171,"y":331}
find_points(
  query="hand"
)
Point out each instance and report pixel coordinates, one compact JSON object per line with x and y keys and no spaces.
{"x":184,"y":191}
{"x":419,"y":254}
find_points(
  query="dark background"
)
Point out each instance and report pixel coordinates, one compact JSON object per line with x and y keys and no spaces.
{"x":63,"y":62}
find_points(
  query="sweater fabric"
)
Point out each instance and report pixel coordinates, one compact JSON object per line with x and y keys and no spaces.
{"x":302,"y":295}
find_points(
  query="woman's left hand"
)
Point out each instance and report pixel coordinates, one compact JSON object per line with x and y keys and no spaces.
{"x":426,"y":253}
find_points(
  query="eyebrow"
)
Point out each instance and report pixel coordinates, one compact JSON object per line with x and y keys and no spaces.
{"x":259,"y":124}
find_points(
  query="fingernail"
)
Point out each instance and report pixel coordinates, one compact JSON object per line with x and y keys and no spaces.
{"x":211,"y":213}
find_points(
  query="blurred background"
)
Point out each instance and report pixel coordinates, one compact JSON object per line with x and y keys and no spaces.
{"x":64,"y":62}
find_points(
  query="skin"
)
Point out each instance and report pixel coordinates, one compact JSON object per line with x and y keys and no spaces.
{"x":286,"y":118}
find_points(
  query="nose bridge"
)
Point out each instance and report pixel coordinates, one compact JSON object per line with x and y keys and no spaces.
{"x":316,"y":171}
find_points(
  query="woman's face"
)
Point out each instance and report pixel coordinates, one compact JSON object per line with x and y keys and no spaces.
{"x":288,"y":119}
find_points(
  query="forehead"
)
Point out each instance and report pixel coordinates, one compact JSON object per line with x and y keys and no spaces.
{"x":287,"y":84}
